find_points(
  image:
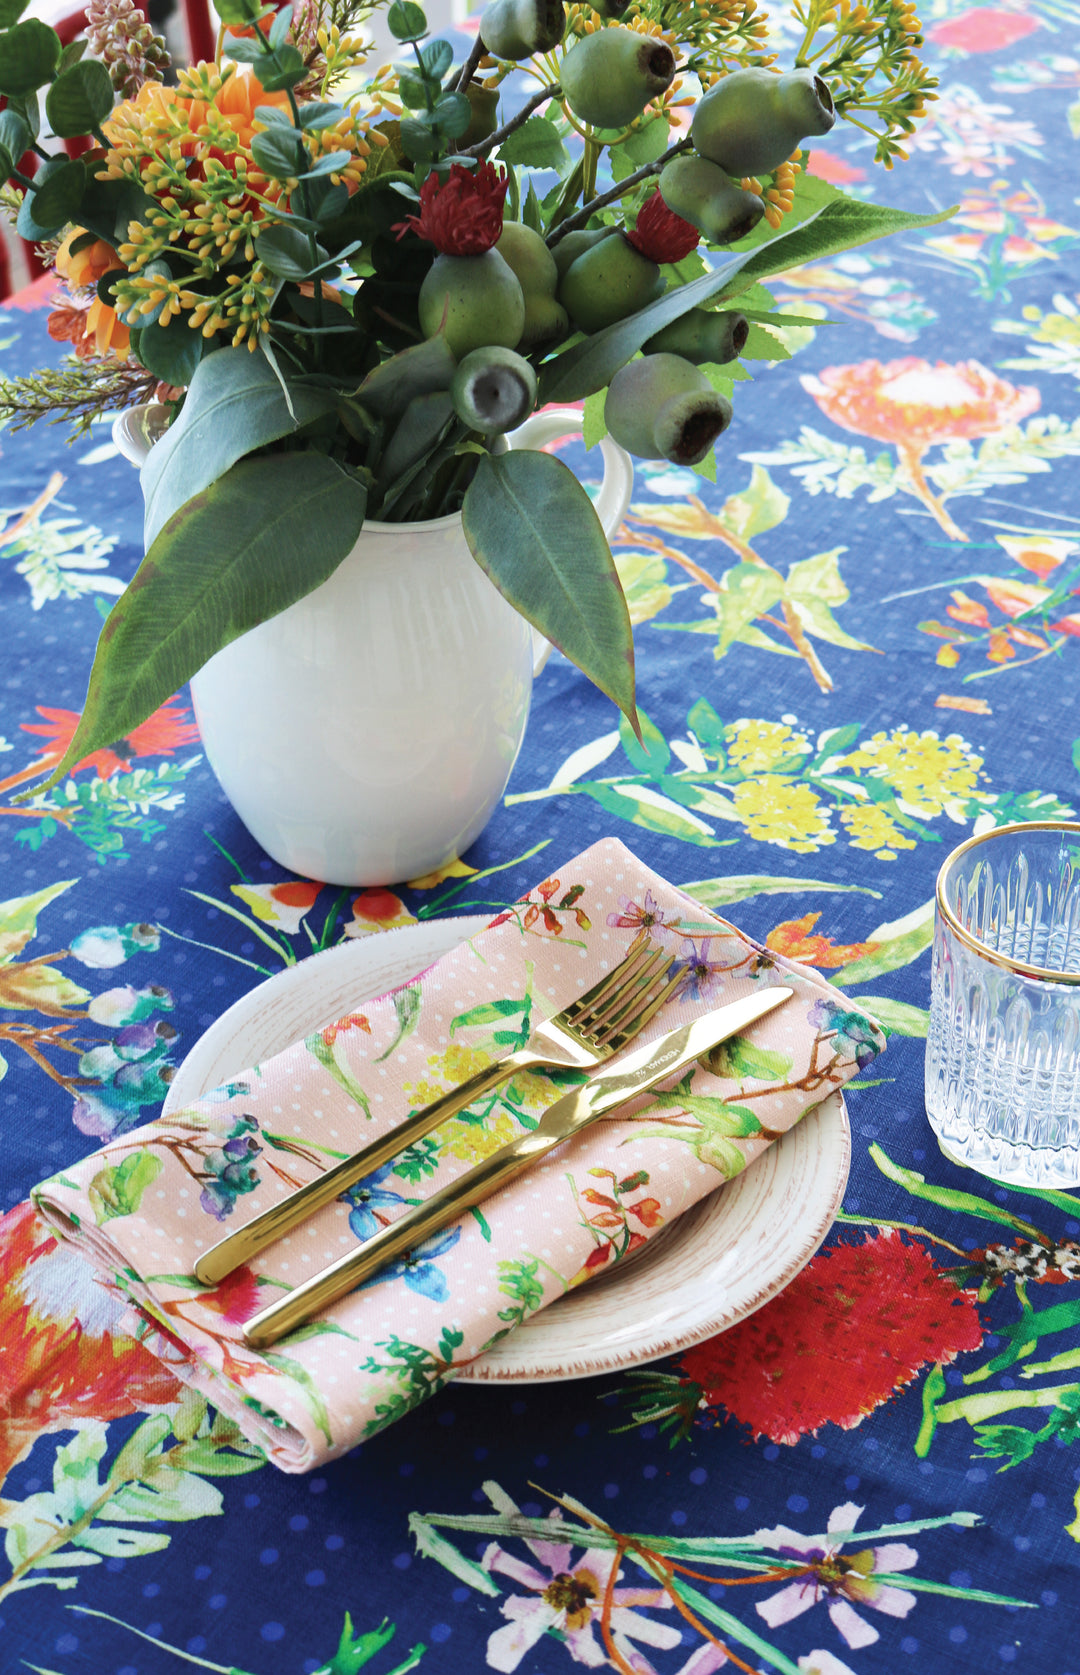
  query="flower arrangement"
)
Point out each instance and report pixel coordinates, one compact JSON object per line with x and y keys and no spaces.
{"x":343,"y":300}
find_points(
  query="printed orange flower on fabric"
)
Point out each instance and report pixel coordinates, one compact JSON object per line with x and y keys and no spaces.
{"x":793,"y":939}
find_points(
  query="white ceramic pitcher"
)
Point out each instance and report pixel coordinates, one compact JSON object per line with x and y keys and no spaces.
{"x":365,"y":734}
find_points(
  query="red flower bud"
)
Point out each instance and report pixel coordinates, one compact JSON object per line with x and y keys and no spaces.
{"x":461,"y":213}
{"x":660,"y":234}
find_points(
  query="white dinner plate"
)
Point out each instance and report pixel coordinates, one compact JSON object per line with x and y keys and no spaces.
{"x":734,"y":1251}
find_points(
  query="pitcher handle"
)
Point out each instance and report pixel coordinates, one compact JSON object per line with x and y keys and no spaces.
{"x":613,"y":501}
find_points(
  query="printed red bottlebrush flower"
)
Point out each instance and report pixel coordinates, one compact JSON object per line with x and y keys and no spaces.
{"x":461,"y":214}
{"x":65,"y":1357}
{"x":660,"y":234}
{"x":856,"y":1325}
{"x":793,"y":939}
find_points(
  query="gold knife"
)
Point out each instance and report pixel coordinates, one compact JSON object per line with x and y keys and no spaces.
{"x":638,"y":1070}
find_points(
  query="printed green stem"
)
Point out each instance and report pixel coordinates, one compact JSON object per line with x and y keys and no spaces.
{"x":987,"y":1404}
{"x":911,"y":460}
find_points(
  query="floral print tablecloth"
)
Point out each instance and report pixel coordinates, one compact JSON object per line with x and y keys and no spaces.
{"x":856,"y":647}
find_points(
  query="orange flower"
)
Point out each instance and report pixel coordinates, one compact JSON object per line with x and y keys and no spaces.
{"x":911,"y":401}
{"x":83,"y":269}
{"x":65,"y":1356}
{"x":793,"y":940}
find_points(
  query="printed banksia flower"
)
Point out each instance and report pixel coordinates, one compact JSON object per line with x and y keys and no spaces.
{"x":461,"y":213}
{"x":660,"y":234}
{"x":120,"y":36}
{"x":853,"y":1327}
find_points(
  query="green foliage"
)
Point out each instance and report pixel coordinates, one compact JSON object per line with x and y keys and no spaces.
{"x":534,"y":531}
{"x":117,"y":1190}
{"x":259,"y":538}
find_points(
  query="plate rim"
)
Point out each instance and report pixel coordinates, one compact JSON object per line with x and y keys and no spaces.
{"x":500,"y":1368}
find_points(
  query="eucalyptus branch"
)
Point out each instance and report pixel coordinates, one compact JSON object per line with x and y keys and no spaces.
{"x":582,"y":215}
{"x":483,"y":147}
{"x":470,"y":66}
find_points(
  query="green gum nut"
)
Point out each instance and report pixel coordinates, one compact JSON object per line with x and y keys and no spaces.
{"x":480,"y":299}
{"x":709,"y":199}
{"x":752,"y":120}
{"x":607,"y":283}
{"x":662,"y":407}
{"x":485,"y":103}
{"x":573,"y":245}
{"x":701,"y":336}
{"x":518,"y":28}
{"x":525,"y":252}
{"x":611,"y":75}
{"x":493,"y":390}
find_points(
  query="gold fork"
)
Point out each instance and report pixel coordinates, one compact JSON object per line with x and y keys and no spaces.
{"x":581,"y":1036}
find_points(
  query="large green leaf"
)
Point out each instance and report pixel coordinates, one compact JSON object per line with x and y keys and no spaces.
{"x":79,"y":99}
{"x":841,"y":225}
{"x":264,"y":535}
{"x":29,"y":54}
{"x":18,"y":918}
{"x":534,"y":531}
{"x":234,"y":405}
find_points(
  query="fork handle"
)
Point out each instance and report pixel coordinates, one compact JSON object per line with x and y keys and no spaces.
{"x":417,"y":1224}
{"x":240,"y":1246}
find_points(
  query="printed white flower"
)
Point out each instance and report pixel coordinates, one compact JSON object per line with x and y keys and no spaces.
{"x":839,"y":1578}
{"x":568,"y":1598}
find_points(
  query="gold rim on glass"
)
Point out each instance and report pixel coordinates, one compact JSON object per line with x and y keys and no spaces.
{"x":1018,"y":967}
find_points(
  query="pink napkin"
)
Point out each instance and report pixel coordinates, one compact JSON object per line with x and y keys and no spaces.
{"x":142,"y":1208}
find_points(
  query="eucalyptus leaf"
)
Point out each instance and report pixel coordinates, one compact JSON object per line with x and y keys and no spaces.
{"x":234,"y":406}
{"x":11,"y":11}
{"x":29,"y":54}
{"x":417,"y":141}
{"x":280,"y":151}
{"x":452,"y":115}
{"x":320,"y":114}
{"x":57,"y":200}
{"x":79,"y":99}
{"x":280,"y":69}
{"x":437,"y":58}
{"x":280,"y":27}
{"x":15,"y":137}
{"x":287,"y":252}
{"x":426,"y":366}
{"x":265,"y":534}
{"x":173,"y":352}
{"x":534,"y":532}
{"x":419,"y":430}
{"x":406,"y":21}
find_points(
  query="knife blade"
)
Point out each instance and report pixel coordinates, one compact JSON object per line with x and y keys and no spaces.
{"x":636,"y":1072}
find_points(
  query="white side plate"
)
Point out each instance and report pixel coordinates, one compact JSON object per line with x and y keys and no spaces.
{"x":727,"y":1256}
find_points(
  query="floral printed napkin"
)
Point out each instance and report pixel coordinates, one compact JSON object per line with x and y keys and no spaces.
{"x":142,"y":1208}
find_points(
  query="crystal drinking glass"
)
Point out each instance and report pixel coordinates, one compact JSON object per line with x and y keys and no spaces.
{"x":1003,"y":1050}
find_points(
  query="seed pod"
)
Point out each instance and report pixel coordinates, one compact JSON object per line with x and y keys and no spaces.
{"x":607,"y":283}
{"x":575,"y":244}
{"x":701,"y":336}
{"x":485,"y":103}
{"x":752,"y":120}
{"x":518,"y":28}
{"x":525,"y":252}
{"x":709,"y":199}
{"x":611,"y":75}
{"x":493,"y":390}
{"x":662,"y":407}
{"x":480,"y":298}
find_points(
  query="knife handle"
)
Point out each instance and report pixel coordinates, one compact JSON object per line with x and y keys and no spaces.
{"x":411,"y":1229}
{"x":239,"y":1247}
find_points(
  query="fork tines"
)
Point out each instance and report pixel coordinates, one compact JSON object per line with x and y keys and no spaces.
{"x":629,"y":996}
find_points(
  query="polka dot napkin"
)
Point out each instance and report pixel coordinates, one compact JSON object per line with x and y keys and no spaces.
{"x":142,"y":1208}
